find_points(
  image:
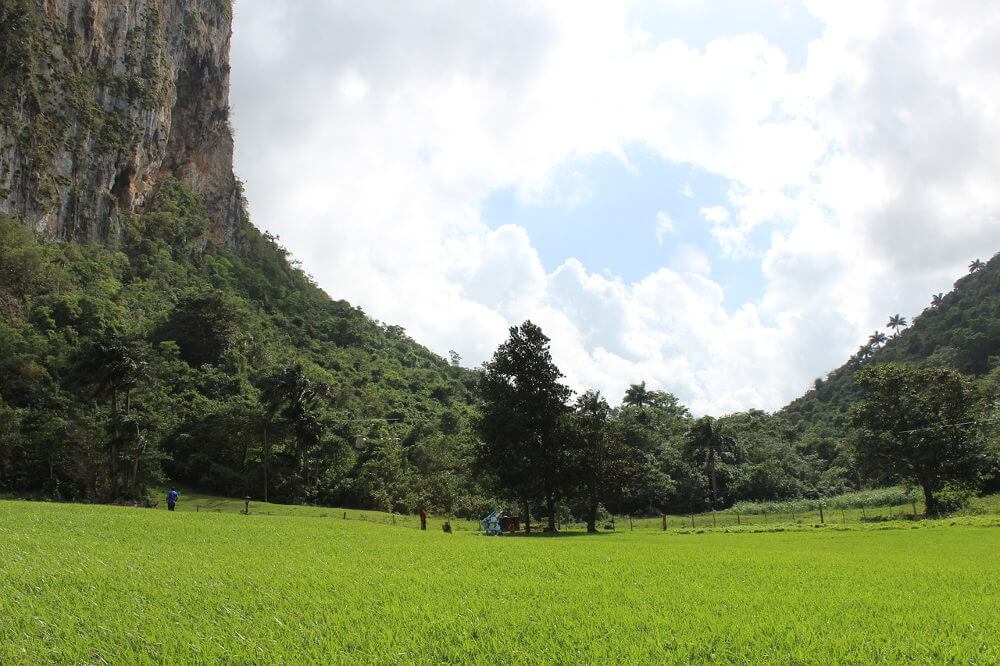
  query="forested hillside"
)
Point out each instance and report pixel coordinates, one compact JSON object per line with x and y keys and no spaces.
{"x":219,"y":367}
{"x":960,"y":330}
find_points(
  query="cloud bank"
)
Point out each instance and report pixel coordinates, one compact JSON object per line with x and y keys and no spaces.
{"x":370,"y":134}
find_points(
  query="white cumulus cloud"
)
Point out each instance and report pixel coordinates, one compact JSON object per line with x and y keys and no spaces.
{"x":370,"y":134}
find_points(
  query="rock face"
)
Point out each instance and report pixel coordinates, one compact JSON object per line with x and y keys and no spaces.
{"x":101,"y":100}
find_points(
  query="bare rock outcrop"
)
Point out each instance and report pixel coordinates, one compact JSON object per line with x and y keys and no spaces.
{"x":102,"y":100}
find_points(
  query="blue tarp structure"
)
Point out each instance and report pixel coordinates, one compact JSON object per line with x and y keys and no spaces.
{"x":491,"y":523}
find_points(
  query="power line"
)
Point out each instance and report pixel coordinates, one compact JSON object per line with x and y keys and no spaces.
{"x":947,"y":425}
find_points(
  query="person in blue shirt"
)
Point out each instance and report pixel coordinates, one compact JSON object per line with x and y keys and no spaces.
{"x":172,"y":499}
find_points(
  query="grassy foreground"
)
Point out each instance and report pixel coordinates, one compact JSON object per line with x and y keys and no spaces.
{"x":94,"y":584}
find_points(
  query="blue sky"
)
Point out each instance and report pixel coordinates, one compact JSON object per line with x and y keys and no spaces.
{"x":787,"y":25}
{"x":606,"y":216}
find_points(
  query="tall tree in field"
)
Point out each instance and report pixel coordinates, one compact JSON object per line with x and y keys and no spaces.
{"x":912,"y":428}
{"x":706,"y":440}
{"x":599,"y":454}
{"x":650,"y":435}
{"x":522,"y":406}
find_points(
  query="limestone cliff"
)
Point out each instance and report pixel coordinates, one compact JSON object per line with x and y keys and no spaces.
{"x":101,"y":100}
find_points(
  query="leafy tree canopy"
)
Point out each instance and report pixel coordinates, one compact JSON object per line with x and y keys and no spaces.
{"x":915,"y":426}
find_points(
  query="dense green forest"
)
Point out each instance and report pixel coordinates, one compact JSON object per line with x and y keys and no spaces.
{"x":168,"y":358}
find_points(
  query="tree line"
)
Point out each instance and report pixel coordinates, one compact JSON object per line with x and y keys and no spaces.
{"x":542,"y":449}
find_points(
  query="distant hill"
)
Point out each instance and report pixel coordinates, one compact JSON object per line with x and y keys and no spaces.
{"x":960,"y":329}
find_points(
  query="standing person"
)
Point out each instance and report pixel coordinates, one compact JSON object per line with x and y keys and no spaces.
{"x":423,"y":517}
{"x":172,"y":499}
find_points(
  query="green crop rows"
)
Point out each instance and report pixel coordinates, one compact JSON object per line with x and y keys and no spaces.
{"x":94,"y":584}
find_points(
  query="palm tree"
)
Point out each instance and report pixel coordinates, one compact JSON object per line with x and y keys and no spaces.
{"x":636,"y":395}
{"x":707,"y":437}
{"x":864,"y":352}
{"x":976,"y":266}
{"x":896,"y":323}
{"x":937,"y":299}
{"x":877,"y":338}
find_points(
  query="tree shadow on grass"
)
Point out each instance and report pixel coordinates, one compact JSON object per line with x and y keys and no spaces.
{"x":563,"y":534}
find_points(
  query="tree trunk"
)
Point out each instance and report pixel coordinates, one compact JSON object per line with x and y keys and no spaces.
{"x":140,"y":446}
{"x":711,"y":475}
{"x":592,"y":516}
{"x":930,"y":504}
{"x":527,"y":517}
{"x":114,"y":444}
{"x":550,"y":505}
{"x":303,"y":471}
{"x":267,"y":454}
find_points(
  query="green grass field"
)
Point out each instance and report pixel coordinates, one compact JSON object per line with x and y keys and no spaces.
{"x":95,"y":584}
